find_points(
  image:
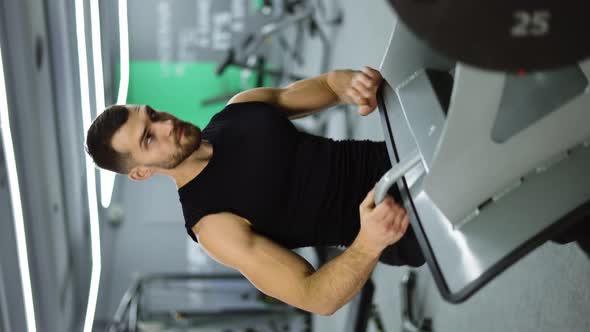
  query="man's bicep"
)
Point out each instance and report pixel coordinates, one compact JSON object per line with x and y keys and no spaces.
{"x":273,"y":269}
{"x":265,"y":95}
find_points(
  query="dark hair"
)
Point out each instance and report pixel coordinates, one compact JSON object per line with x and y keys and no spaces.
{"x":100,"y":135}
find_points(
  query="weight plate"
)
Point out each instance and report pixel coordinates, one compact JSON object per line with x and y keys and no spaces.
{"x":502,"y":34}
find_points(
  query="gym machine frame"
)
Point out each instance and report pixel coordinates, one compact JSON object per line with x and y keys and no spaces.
{"x":476,"y":201}
{"x":129,"y":311}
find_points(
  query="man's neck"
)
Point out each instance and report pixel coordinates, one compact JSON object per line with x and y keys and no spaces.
{"x":193,"y":165}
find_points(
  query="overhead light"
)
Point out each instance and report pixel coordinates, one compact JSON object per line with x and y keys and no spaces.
{"x":124,"y":50}
{"x":17,"y":209}
{"x":90,"y":169}
{"x":107,"y":178}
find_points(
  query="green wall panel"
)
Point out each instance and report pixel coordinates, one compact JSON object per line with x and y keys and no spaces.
{"x":180,"y":88}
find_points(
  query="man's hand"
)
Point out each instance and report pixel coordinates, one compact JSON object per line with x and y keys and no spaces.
{"x":381,"y":225}
{"x":357,"y":87}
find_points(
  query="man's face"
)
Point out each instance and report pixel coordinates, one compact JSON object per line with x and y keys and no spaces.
{"x":156,"y":139}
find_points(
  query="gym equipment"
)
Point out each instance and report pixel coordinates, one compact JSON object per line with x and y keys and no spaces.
{"x":258,"y":68}
{"x":169,"y":302}
{"x":360,"y":309}
{"x":502,"y":34}
{"x":248,"y":53}
{"x":409,"y":321}
{"x":490,"y":164}
{"x":363,"y":309}
{"x":285,"y":14}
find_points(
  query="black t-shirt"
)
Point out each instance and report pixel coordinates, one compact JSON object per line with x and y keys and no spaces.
{"x":295,"y":188}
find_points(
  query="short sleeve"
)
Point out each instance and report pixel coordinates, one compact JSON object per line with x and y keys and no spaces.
{"x":193,"y":216}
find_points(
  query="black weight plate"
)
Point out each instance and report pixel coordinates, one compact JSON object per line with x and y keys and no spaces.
{"x":502,"y":34}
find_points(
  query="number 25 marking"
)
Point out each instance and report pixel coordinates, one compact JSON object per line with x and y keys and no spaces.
{"x":531,"y":24}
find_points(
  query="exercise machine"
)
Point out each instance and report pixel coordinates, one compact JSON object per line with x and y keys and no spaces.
{"x":183,"y":301}
{"x":490,"y":163}
{"x":280,"y":17}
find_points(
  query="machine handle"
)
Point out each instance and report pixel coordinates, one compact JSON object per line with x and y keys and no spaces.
{"x":395,"y":173}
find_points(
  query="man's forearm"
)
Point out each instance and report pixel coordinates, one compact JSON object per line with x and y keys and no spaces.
{"x":336,"y":282}
{"x":313,"y":94}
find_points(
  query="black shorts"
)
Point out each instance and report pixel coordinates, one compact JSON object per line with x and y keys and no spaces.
{"x":406,"y":251}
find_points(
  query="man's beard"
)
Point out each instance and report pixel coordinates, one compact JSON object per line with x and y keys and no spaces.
{"x":192,"y":142}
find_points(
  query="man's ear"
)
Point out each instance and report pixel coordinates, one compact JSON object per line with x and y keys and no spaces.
{"x":140,"y":173}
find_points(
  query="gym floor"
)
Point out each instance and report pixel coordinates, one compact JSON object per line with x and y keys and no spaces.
{"x":548,"y":290}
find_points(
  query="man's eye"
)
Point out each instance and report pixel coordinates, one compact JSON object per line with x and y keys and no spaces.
{"x":148,"y":139}
{"x":152,"y":114}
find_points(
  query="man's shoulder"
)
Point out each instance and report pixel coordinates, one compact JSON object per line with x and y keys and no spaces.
{"x":243,"y":115}
{"x":222,"y":223}
{"x":225,"y":117}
